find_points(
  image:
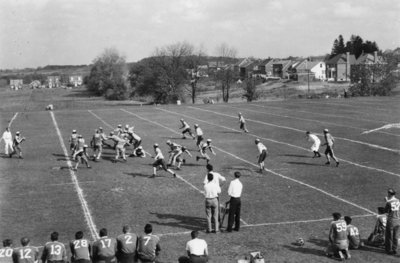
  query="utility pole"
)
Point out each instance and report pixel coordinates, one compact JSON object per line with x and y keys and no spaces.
{"x":308,"y":79}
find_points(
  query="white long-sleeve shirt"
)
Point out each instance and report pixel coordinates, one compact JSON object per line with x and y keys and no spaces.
{"x":7,"y":136}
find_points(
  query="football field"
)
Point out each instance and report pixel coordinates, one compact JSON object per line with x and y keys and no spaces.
{"x":294,"y":197}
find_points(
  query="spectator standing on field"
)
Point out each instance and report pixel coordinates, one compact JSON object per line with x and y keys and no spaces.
{"x":329,"y":141}
{"x":7,"y":138}
{"x":211,"y":192}
{"x":392,"y":233}
{"x":197,"y":249}
{"x":242,"y":122}
{"x":235,"y":192}
{"x":6,"y":251}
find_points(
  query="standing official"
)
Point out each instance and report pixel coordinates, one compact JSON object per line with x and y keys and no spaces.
{"x":211,"y":192}
{"x":80,"y":249}
{"x":392,"y":233}
{"x":126,"y":246}
{"x":7,"y":137}
{"x":104,"y":249}
{"x":235,"y":192}
{"x":54,"y":251}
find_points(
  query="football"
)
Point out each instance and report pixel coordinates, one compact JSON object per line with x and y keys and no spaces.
{"x":300,"y":242}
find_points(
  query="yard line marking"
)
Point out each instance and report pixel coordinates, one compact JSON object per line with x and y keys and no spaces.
{"x":305,"y":119}
{"x":317,"y":113}
{"x":347,"y":105}
{"x":278,"y":142}
{"x":387,"y":126}
{"x":178,"y":176}
{"x":10,"y":122}
{"x":303,"y":131}
{"x":268,"y":170}
{"x":79,"y":191}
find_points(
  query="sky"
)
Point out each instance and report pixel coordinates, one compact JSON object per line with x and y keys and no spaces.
{"x":74,"y":32}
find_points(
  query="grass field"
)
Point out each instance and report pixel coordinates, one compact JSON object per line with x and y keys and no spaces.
{"x":295,"y":196}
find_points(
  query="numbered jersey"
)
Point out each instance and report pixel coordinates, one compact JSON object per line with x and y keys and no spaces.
{"x":54,"y":251}
{"x":80,"y":249}
{"x":338,"y":229}
{"x":26,"y":254}
{"x":127,"y":243}
{"x":393,"y":209}
{"x":147,"y":246}
{"x":104,"y":248}
{"x":6,"y":255}
{"x":353,"y":235}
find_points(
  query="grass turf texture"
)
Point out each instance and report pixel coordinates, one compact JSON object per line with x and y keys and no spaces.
{"x":38,"y":197}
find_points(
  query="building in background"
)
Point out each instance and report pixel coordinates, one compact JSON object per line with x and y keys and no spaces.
{"x":53,"y":82}
{"x":338,"y":68}
{"x":16,"y":83}
{"x":76,"y":80}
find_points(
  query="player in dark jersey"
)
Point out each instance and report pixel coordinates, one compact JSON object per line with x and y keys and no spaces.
{"x":126,"y":246}
{"x":54,"y":251}
{"x":160,"y":162}
{"x":148,"y":245}
{"x":26,"y":253}
{"x":338,"y":243}
{"x":353,"y":234}
{"x":80,"y":249}
{"x":6,"y":251}
{"x":377,"y":237}
{"x":18,"y":139}
{"x":73,"y":141}
{"x":81,"y":156}
{"x":97,"y":144}
{"x":104,"y":249}
{"x":392,"y":233}
{"x":186,"y":129}
{"x":203,"y":151}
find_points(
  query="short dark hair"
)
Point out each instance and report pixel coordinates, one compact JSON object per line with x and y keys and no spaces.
{"x":148,"y":228}
{"x":381,"y":210}
{"x":54,"y":236}
{"x":126,"y":229}
{"x":194,"y":233}
{"x":237,"y":174}
{"x":210,"y":177}
{"x":79,"y":235}
{"x":25,"y":241}
{"x":348,"y":220}
{"x":7,"y":242}
{"x":103,"y":232}
{"x":336,"y":215}
{"x":209,"y":167}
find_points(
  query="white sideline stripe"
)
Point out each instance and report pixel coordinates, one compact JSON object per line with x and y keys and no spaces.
{"x":278,"y":142}
{"x":302,"y":131}
{"x":86,"y":211}
{"x":305,"y":119}
{"x":11,"y":121}
{"x":158,"y":124}
{"x":178,"y":176}
{"x":317,"y":113}
{"x":275,"y":173}
{"x":387,"y":126}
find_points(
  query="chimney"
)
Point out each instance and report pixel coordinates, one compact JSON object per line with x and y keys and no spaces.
{"x":375,"y":56}
{"x":347,"y":65}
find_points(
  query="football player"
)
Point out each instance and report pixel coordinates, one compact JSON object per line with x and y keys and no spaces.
{"x":203,"y":151}
{"x":186,"y":129}
{"x":80,"y":249}
{"x":54,"y":251}
{"x":159,"y":162}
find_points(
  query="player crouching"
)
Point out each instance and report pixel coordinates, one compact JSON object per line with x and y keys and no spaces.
{"x":203,"y":148}
{"x":159,"y":162}
{"x":140,"y":152}
{"x":262,"y":154}
{"x":81,"y":156}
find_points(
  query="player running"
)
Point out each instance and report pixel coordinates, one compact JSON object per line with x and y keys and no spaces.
{"x":203,"y":151}
{"x":329,"y":141}
{"x":97,"y":144}
{"x":73,"y":141}
{"x":262,"y":150}
{"x":18,"y":139}
{"x":159,"y":161}
{"x":316,"y":143}
{"x":81,"y":156}
{"x":80,"y":249}
{"x":199,"y":135}
{"x":174,"y":150}
{"x":178,"y":157}
{"x":186,"y":129}
{"x":242,"y":122}
{"x":54,"y":251}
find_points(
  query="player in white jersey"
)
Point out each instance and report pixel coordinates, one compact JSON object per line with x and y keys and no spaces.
{"x":159,"y":161}
{"x":120,"y":142}
{"x":199,"y":135}
{"x":81,"y":156}
{"x":242,"y":122}
{"x":186,"y":129}
{"x":262,"y":150}
{"x":178,"y":157}
{"x":7,"y":137}
{"x":203,"y":151}
{"x":316,"y":143}
{"x":174,"y":150}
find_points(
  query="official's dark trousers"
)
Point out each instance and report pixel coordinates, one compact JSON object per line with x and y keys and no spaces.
{"x":234,"y":214}
{"x":392,"y":236}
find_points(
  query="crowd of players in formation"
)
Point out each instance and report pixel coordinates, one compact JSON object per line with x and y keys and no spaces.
{"x":342,"y":236}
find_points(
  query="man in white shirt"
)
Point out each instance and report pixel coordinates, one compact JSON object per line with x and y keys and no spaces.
{"x":235,"y":192}
{"x":316,"y":143}
{"x":197,"y":249}
{"x":7,"y":137}
{"x":218,"y":178}
{"x":211,"y":192}
{"x":262,"y":154}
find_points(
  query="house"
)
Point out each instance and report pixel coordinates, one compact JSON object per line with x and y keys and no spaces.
{"x":369,"y":64}
{"x":16,"y":83}
{"x":53,"y":82}
{"x":269,"y":68}
{"x":309,"y":70}
{"x":280,"y":68}
{"x":75,"y":80}
{"x":369,"y":59}
{"x":338,"y":68}
{"x":244,"y":67}
{"x":35,"y":84}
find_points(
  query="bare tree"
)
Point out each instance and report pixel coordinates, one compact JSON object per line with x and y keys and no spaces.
{"x":226,"y":75}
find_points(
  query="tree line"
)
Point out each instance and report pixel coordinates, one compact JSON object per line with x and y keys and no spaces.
{"x":355,"y":45}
